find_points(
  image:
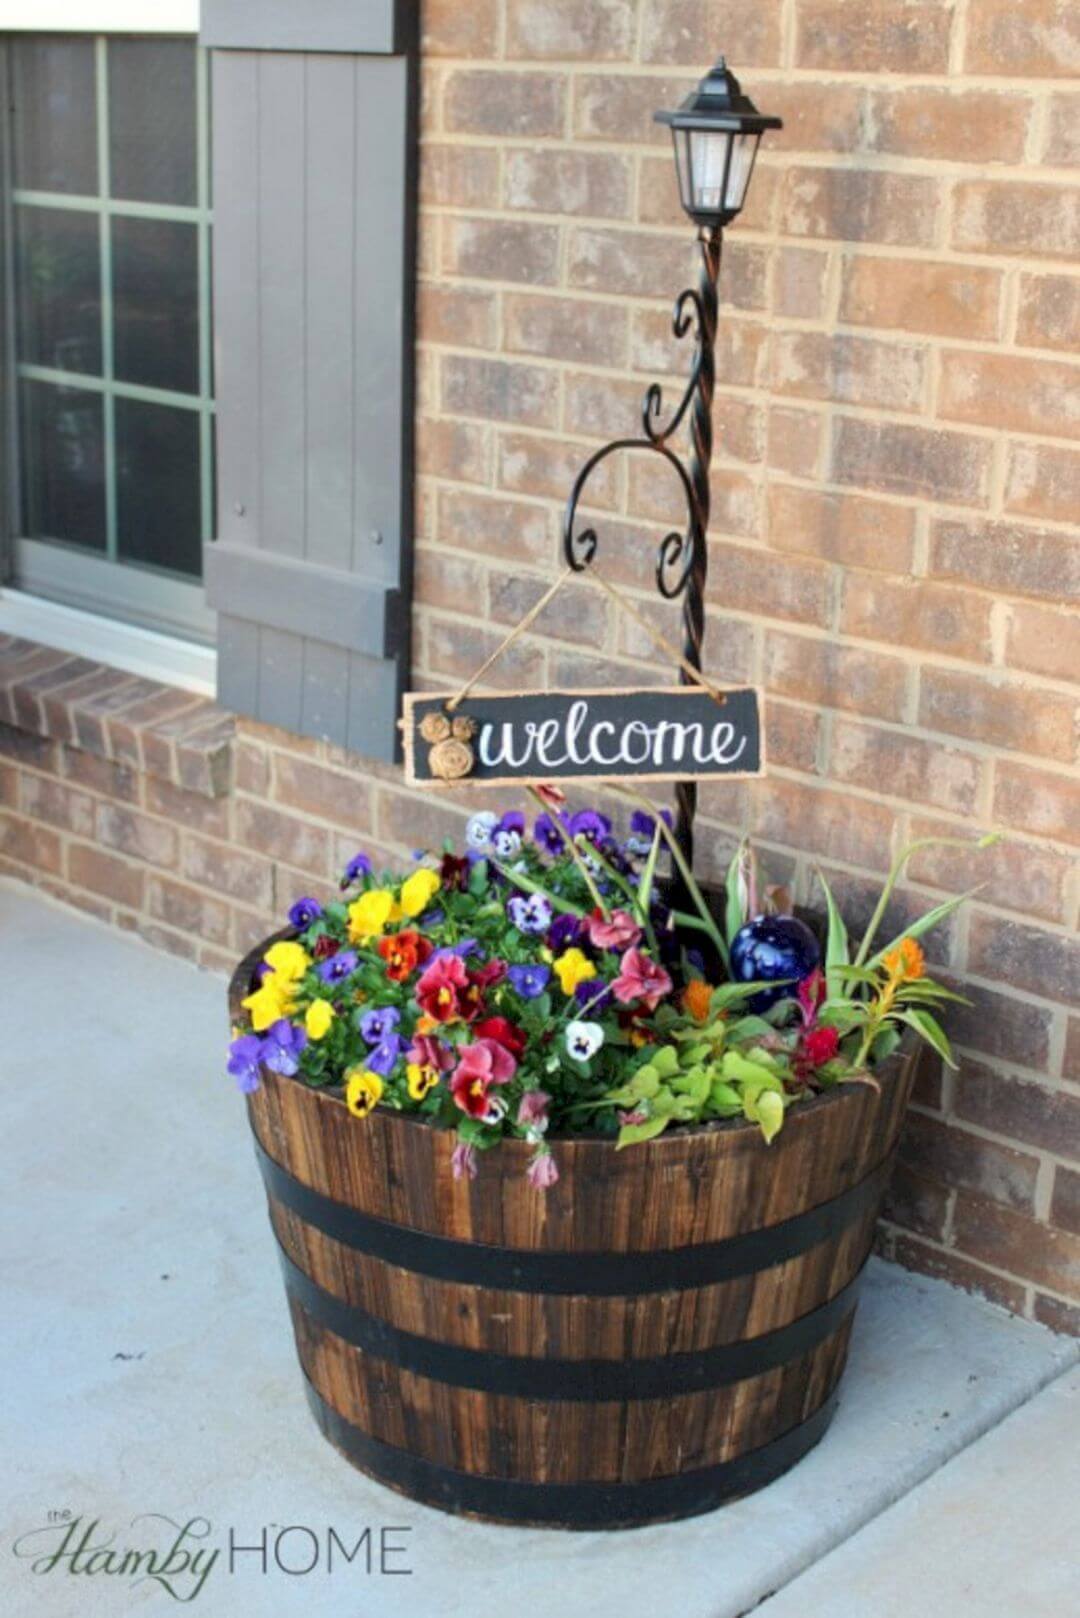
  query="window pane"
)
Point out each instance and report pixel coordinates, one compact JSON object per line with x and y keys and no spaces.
{"x":58,"y":280}
{"x":63,"y":464}
{"x":156,"y":303}
{"x":55,"y":140}
{"x":157,"y":486}
{"x":152,"y":120}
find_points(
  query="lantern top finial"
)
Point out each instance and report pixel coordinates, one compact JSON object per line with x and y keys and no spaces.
{"x":719,"y":103}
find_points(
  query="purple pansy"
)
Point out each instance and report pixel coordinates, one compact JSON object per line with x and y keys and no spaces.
{"x":590,"y":824}
{"x":381,"y":1060}
{"x":467,"y":946}
{"x":338,"y":967}
{"x":357,"y":867}
{"x":529,"y":913}
{"x":506,"y":836}
{"x":643,"y":829}
{"x":245,"y":1054}
{"x":378,"y":1026}
{"x":546,"y":834}
{"x":530,"y":980}
{"x":282,"y":1047}
{"x":593,"y":995}
{"x":565,"y":931}
{"x":304,"y":912}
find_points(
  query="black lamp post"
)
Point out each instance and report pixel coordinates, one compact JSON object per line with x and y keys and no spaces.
{"x":716,"y":133}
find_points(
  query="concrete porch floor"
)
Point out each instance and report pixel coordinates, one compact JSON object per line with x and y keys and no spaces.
{"x":149,"y":1369}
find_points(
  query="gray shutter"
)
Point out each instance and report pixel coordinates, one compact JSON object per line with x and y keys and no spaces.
{"x":314,"y":221}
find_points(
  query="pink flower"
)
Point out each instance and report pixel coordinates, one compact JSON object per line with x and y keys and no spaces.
{"x":618,"y":933}
{"x":463,"y":1161}
{"x":542,"y":1171}
{"x":438,"y":990}
{"x":486,"y":1060}
{"x":635,"y":1117}
{"x":427,"y":1051}
{"x":811,"y":993}
{"x":532,"y":1111}
{"x":640,"y":979}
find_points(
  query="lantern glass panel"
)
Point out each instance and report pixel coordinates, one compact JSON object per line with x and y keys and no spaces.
{"x":682,"y":167}
{"x":708,"y":164}
{"x":742,"y":161}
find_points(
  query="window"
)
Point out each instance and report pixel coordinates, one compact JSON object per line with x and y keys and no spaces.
{"x":109,"y":231}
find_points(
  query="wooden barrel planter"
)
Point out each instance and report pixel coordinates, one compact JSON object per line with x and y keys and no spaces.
{"x":662,"y":1331}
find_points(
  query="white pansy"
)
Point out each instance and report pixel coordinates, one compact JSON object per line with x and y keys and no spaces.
{"x":584,"y":1039}
{"x":479,"y":829}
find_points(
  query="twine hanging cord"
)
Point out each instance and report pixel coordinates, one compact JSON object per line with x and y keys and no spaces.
{"x":658,"y":640}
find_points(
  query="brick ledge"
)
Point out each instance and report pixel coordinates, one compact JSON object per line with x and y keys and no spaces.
{"x":171,"y":734}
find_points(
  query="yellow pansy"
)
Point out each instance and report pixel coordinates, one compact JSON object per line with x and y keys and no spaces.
{"x":288,"y":960}
{"x":421,"y":1079}
{"x":418,"y":891}
{"x":573,"y":967}
{"x":362,"y":1091}
{"x":318,"y":1017}
{"x":271,"y":1000}
{"x":370,"y":915}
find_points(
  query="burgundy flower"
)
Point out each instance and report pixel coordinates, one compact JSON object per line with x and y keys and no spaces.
{"x":440,"y":988}
{"x":427,"y":1051}
{"x":819,"y":1046}
{"x":324,"y":946}
{"x":504,"y":1033}
{"x":454,"y":873}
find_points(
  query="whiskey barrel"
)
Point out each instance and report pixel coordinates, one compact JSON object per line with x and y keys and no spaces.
{"x":662,"y":1331}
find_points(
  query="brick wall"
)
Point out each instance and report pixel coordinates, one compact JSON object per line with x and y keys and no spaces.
{"x":894,"y":553}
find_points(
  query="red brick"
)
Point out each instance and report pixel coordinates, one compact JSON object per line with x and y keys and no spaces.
{"x":860,"y":205}
{"x":798,"y":282}
{"x":28,"y":691}
{"x":104,"y":873}
{"x":458,"y":176}
{"x":1043,"y":481}
{"x":627,"y":261}
{"x":904,"y":766}
{"x":24,"y":842}
{"x":1016,"y":216}
{"x":24,"y":747}
{"x":836,"y":676}
{"x":956,"y":1157}
{"x":564,"y":329}
{"x":1005,"y":390}
{"x":460,"y":450}
{"x":814,"y":122}
{"x":598,"y":184}
{"x":748,"y":580}
{"x":501,"y":250}
{"x":500,"y":390}
{"x":1011,"y":874}
{"x":902,"y":459}
{"x":457,"y":317}
{"x":795,"y":441}
{"x":656,"y":496}
{"x":1049,"y":315}
{"x":1065,"y":1204}
{"x":858,"y":897}
{"x":1058,"y":1316}
{"x":849,"y":370}
{"x":229,"y":870}
{"x":946,"y":300}
{"x":728,"y":646}
{"x":792,"y":736}
{"x":580,"y":615}
{"x":916,"y":1202}
{"x":916,"y":1255}
{"x":418,"y":822}
{"x":1062,"y":147}
{"x":997,"y":1025}
{"x":1012,"y":1241}
{"x":478,"y":102}
{"x":741,"y":347}
{"x":674,"y":31}
{"x":847,"y":528}
{"x":282,"y":836}
{"x":472,"y":521}
{"x":456,"y":650}
{"x":457,"y":583}
{"x":988,"y":710}
{"x":1007,"y":557}
{"x":451,"y":29}
{"x":529,"y":464}
{"x":1070,"y":1060}
{"x":1043,"y":641}
{"x":188,"y":910}
{"x":329,"y":794}
{"x":9,"y":785}
{"x":959,"y":126}
{"x":619,"y":107}
{"x":1047,"y":1119}
{"x":1046,"y":964}
{"x":823,"y":821}
{"x":585,"y":30}
{"x":204,"y":757}
{"x":933,"y":617}
{"x":195,"y":809}
{"x":1034,"y":800}
{"x":1037,"y":39}
{"x":139,"y":836}
{"x":45,"y":799}
{"x":891,"y":36}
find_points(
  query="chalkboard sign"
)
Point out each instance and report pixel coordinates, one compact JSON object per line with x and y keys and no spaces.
{"x":665,"y":734}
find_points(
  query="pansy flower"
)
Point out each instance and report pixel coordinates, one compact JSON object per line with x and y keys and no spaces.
{"x":479,"y":829}
{"x":420,"y":1080}
{"x":532,"y":1110}
{"x":640,"y":981}
{"x":363,"y":1091}
{"x":304,"y":912}
{"x":245,"y":1055}
{"x":403,"y":952}
{"x":454,"y":873}
{"x":583,"y":1040}
{"x":573,"y":967}
{"x":440,"y":988}
{"x":323,"y":947}
{"x":377,"y":1025}
{"x":643,"y":830}
{"x":384,"y":1057}
{"x":616,"y":932}
{"x":529,"y":913}
{"x":593,"y":995}
{"x":317,"y":1019}
{"x":505,"y":1033}
{"x":590,"y":824}
{"x":564,"y":931}
{"x":418,"y":890}
{"x":357,"y":867}
{"x":338,"y":967}
{"x":546,"y":834}
{"x":282,"y":1047}
{"x":530,"y":980}
{"x":507,"y":834}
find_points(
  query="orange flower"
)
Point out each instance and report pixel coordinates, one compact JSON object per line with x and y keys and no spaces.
{"x":696,"y":997}
{"x":905,"y":962}
{"x":403,"y":952}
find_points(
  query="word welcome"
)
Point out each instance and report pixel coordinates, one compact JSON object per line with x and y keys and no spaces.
{"x":665,"y":734}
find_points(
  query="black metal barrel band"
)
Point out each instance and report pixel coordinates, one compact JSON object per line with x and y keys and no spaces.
{"x":583,"y":1380}
{"x":581,"y":1505}
{"x":572,"y":1272}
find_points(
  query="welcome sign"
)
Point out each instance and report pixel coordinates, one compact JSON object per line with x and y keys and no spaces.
{"x":660,"y":733}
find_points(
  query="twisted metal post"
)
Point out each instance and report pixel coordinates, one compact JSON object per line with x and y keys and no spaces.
{"x":701,"y":440}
